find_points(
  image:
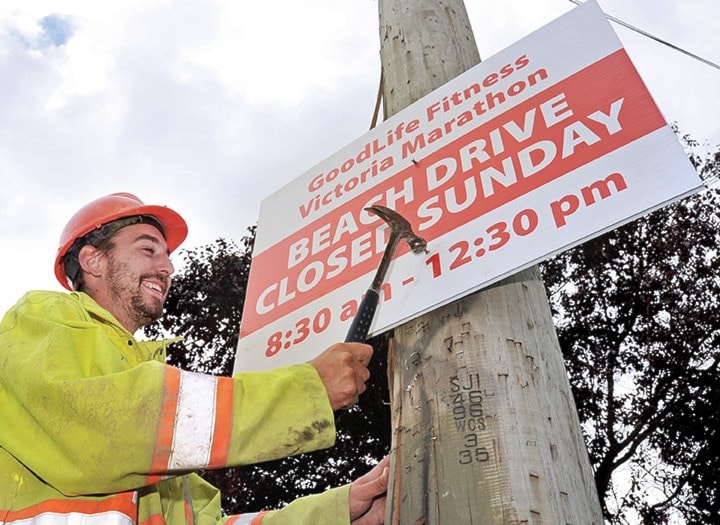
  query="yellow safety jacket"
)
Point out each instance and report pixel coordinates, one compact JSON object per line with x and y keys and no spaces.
{"x":96,"y":429}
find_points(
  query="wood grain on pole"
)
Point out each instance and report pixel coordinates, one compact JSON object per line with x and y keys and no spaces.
{"x":485,"y":430}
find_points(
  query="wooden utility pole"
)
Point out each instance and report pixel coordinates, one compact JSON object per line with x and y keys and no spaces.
{"x":485,"y":426}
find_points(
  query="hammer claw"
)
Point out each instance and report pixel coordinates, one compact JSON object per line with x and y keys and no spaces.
{"x":399,"y":229}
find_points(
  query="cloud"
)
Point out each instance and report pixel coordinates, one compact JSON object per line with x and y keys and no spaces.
{"x":169,"y":102}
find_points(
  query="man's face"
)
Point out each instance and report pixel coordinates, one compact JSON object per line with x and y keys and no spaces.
{"x":138,"y":275}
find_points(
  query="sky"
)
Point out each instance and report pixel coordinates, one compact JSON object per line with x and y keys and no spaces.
{"x":209,"y":106}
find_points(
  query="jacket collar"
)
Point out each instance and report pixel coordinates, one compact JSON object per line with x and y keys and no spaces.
{"x":156,"y":349}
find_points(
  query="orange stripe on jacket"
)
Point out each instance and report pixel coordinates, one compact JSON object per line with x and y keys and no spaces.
{"x":247,"y":519}
{"x":123,"y":503}
{"x":166,"y":425}
{"x":223,"y":423}
{"x":155,"y":519}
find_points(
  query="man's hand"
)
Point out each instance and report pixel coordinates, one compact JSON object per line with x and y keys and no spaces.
{"x":343,"y":370}
{"x":368,"y":496}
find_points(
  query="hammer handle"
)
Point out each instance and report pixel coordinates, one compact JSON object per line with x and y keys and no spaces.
{"x":363,"y":318}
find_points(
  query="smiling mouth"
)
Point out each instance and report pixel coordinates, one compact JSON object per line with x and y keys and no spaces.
{"x":155,"y":287}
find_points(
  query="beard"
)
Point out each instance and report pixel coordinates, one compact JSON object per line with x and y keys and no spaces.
{"x":125,"y":288}
{"x":146,"y":312}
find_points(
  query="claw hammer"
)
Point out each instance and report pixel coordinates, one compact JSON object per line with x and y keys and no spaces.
{"x":399,"y":229}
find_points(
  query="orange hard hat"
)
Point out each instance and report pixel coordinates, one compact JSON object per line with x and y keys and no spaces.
{"x":110,"y":208}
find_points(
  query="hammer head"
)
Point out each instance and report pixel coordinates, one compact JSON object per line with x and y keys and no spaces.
{"x":399,"y":227}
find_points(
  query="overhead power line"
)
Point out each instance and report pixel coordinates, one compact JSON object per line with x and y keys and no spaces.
{"x":657,"y":39}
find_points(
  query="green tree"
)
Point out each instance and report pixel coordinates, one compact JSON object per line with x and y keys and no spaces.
{"x":204,"y":305}
{"x":637,"y":317}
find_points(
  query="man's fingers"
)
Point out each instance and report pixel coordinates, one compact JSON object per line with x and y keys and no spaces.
{"x":367,"y":495}
{"x":362,"y":374}
{"x":375,"y":481}
{"x":361,"y":351}
{"x":343,"y":370}
{"x":374,"y":516}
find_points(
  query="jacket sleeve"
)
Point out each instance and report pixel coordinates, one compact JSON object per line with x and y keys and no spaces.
{"x":85,"y":421}
{"x":329,"y":508}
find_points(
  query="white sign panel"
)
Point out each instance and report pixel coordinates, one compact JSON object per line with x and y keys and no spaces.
{"x":547,"y":144}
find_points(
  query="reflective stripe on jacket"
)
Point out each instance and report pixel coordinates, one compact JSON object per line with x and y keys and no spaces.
{"x":94,"y":424}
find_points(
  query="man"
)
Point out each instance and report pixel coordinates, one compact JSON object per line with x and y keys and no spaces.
{"x":94,"y":427}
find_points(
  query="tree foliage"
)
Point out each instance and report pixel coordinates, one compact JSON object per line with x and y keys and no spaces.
{"x":637,"y":317}
{"x":205,"y":305}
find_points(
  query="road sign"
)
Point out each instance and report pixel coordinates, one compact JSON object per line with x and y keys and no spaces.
{"x":547,"y":144}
